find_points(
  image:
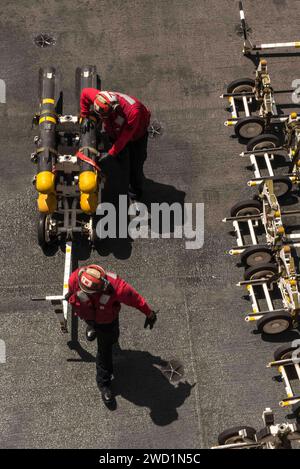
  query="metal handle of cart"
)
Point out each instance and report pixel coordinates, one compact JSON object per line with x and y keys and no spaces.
{"x":55,"y":299}
{"x":59,"y":301}
{"x":263,"y":151}
{"x":239,"y":446}
{"x":250,"y":47}
{"x":61,"y":308}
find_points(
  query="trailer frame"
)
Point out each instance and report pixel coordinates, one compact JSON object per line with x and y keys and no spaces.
{"x":260,"y":95}
{"x":292,"y":363}
{"x":68,"y":220}
{"x":271,"y":436}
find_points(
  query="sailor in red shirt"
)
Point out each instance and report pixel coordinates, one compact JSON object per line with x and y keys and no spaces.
{"x":126,"y":121}
{"x":96,"y":297}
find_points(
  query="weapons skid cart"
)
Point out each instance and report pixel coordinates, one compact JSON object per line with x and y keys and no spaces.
{"x":249,"y":47}
{"x":270,"y":264}
{"x":265,"y":153}
{"x":252,"y":104}
{"x":67,"y":184}
{"x":271,"y":436}
{"x":287,"y":361}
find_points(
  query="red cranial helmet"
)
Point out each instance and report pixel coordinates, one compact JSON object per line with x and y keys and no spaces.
{"x":104,"y":103}
{"x":91,"y":278}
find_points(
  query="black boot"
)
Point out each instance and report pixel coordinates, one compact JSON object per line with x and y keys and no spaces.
{"x":135,"y":193}
{"x":90,"y":333}
{"x":108,"y":397}
{"x":117,"y":351}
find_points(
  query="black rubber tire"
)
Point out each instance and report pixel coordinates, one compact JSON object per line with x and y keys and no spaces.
{"x":94,"y":237}
{"x":258,"y":123}
{"x":272,"y":268}
{"x":278,"y":183}
{"x":244,"y":204}
{"x":296,"y":434}
{"x":255,"y":255}
{"x":43,"y":240}
{"x":271,"y":141}
{"x":264,"y":435}
{"x":41,"y":230}
{"x":240,"y":82}
{"x":230,"y":433}
{"x":284,"y":351}
{"x":264,"y":324}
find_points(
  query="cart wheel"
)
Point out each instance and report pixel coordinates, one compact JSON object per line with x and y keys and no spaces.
{"x":43,"y":230}
{"x":281,"y":186}
{"x":260,"y":271}
{"x":254,"y":255}
{"x":243,"y":85}
{"x":93,"y":234}
{"x":263,"y":141}
{"x":231,"y":435}
{"x":274,"y":323}
{"x":249,"y":127}
{"x":265,"y":436}
{"x":285,"y":351}
{"x":246,"y":207}
{"x":296,"y":411}
{"x":93,"y":238}
{"x":296,"y":434}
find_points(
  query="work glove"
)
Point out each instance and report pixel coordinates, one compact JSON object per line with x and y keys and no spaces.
{"x":68,"y":296}
{"x":104,"y":156}
{"x":86,"y":124}
{"x":150,"y":320}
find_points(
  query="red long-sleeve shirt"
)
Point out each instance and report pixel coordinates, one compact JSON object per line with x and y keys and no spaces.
{"x":127,"y":123}
{"x":103,"y":307}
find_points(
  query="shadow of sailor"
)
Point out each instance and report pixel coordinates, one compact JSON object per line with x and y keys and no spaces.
{"x":139,"y":379}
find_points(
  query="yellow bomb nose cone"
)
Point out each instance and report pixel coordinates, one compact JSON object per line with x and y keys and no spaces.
{"x":46,"y":203}
{"x":294,"y":115}
{"x":88,"y":181}
{"x":88,"y":202}
{"x":45,"y":182}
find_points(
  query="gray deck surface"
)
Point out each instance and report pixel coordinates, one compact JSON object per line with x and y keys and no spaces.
{"x":177,"y":56}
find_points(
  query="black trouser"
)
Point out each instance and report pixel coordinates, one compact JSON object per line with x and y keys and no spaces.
{"x":107,"y":335}
{"x":124,"y":169}
{"x":137,"y":157}
{"x":116,"y":170}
